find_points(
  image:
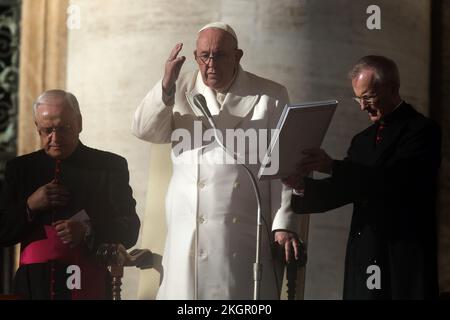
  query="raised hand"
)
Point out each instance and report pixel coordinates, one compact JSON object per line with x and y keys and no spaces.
{"x":172,"y":68}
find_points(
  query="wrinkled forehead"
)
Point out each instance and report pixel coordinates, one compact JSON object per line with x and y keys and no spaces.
{"x":366,"y":78}
{"x":54,"y":109}
{"x":215,"y":39}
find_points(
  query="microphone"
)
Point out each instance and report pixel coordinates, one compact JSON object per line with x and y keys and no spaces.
{"x":200,"y":102}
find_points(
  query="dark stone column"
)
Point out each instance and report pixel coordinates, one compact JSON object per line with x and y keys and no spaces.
{"x":440,"y":98}
{"x":9,"y":57}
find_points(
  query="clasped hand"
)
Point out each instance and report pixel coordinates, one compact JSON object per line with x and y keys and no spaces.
{"x":53,"y":195}
{"x":48,"y":196}
{"x":70,"y":232}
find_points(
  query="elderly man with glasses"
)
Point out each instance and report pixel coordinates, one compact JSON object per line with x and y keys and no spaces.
{"x":210,"y":205}
{"x":390,"y":177}
{"x":61,"y":203}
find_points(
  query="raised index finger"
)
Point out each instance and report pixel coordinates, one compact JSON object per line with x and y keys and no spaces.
{"x":175,"y":51}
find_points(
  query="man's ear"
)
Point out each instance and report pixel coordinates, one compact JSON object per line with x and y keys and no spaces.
{"x":80,"y":123}
{"x":239,"y":54}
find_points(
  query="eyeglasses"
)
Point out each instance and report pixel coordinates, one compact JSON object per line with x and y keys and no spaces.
{"x":365,"y":99}
{"x":60,"y":130}
{"x":206,"y":58}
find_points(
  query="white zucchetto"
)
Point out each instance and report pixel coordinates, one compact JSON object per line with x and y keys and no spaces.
{"x":222,"y":26}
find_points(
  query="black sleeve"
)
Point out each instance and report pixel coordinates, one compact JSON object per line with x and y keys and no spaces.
{"x":411,"y":174}
{"x":121,"y":224}
{"x":14,"y":222}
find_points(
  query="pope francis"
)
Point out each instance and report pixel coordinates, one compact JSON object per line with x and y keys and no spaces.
{"x":210,"y":204}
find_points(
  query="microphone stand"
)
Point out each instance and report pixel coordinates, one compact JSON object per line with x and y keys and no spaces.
{"x":257,"y":265}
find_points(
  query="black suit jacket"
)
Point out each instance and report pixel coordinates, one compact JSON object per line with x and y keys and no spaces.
{"x":392,"y":186}
{"x":97,"y":182}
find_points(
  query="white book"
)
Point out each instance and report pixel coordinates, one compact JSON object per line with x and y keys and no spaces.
{"x":300,"y":127}
{"x":81,"y":216}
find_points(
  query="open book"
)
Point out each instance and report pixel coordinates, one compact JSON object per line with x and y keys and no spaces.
{"x":300,"y":127}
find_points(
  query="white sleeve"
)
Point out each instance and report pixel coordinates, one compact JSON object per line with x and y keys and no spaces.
{"x":153,"y":119}
{"x":283,"y":216}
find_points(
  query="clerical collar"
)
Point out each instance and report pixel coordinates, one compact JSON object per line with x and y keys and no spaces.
{"x":220,"y":96}
{"x":390,"y":116}
{"x":401,"y":101}
{"x":74,"y":156}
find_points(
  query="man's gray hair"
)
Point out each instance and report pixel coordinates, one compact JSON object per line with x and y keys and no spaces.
{"x":386,"y":70}
{"x":68,"y":98}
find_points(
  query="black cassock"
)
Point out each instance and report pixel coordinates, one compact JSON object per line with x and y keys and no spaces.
{"x":97,"y":182}
{"x":392,"y":186}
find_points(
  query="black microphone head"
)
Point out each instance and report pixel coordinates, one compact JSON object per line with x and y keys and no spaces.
{"x":199,"y":99}
{"x":200,"y":102}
